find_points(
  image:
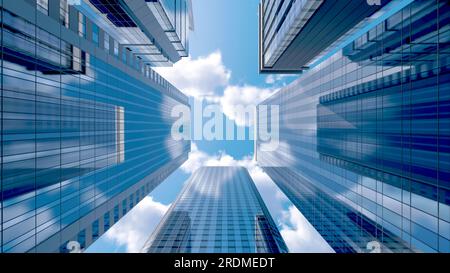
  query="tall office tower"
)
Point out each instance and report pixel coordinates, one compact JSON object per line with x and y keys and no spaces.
{"x":364,"y":135}
{"x":218,"y":211}
{"x":315,"y":26}
{"x":85,"y":121}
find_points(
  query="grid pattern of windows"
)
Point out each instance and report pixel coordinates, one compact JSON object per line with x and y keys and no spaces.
{"x":264,"y":240}
{"x":343,"y":229}
{"x":127,"y":59}
{"x":293,"y":34}
{"x":115,"y":12}
{"x":369,"y":127}
{"x":77,"y":132}
{"x":282,"y":21}
{"x":174,"y":18}
{"x":218,"y":211}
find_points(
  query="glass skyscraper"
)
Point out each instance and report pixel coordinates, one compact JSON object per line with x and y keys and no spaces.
{"x":315,"y":26}
{"x":155,"y":30}
{"x":218,"y":211}
{"x":364,"y":134}
{"x":85,"y":121}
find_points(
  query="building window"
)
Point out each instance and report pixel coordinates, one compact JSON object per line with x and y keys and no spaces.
{"x":131,"y":204}
{"x":95,"y":230}
{"x":81,"y":25}
{"x":106,"y":220}
{"x":116,"y":48}
{"x":106,"y":41}
{"x":120,"y":141}
{"x":42,"y":6}
{"x":125,"y":52}
{"x":116,"y":213}
{"x":81,"y":238}
{"x":76,"y":58}
{"x":95,"y":34}
{"x":138,"y":63}
{"x":64,"y":13}
{"x":124,"y":207}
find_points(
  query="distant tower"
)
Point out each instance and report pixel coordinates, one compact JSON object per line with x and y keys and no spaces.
{"x":218,"y":211}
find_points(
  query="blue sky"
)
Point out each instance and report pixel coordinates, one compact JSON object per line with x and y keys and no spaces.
{"x":223,"y":65}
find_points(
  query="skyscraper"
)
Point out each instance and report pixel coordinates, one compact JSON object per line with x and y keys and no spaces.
{"x":85,"y":121}
{"x":218,"y":211}
{"x":364,"y":134}
{"x":314,"y":26}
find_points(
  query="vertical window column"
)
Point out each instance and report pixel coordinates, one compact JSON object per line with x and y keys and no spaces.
{"x":64,"y":13}
{"x":116,"y":48}
{"x":95,"y":34}
{"x":106,"y":41}
{"x":81,"y":25}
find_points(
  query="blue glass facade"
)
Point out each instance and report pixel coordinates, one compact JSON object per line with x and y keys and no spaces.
{"x":293,"y":32}
{"x":367,"y":132}
{"x":84,"y":136}
{"x":156,"y":30}
{"x":218,"y":211}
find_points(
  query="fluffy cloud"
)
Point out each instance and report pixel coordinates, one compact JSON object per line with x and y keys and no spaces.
{"x":199,"y":78}
{"x":242,"y":96}
{"x":135,"y":227}
{"x":299,"y":235}
{"x":273,"y":197}
{"x":198,"y":158}
{"x":208,"y":78}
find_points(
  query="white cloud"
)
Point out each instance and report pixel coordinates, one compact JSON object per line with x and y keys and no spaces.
{"x":208,"y":78}
{"x":300,"y":235}
{"x":275,"y":78}
{"x":136,"y":226}
{"x":199,"y":78}
{"x":242,"y":96}
{"x":198,"y":158}
{"x":272,"y":195}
